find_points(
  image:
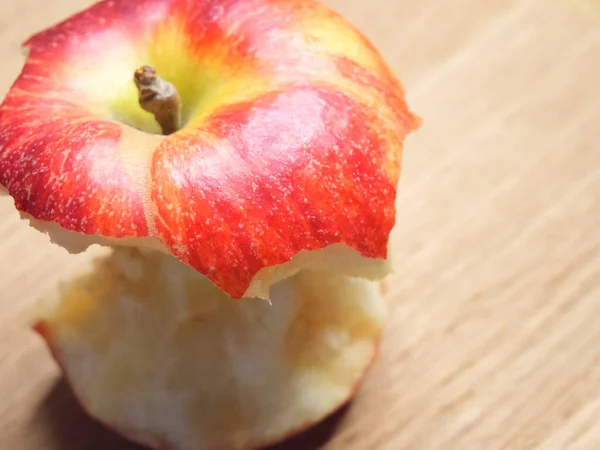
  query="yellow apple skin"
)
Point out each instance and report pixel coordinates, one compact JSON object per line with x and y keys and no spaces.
{"x":292,"y":137}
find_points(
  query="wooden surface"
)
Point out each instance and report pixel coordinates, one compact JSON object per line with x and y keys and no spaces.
{"x":494,"y":341}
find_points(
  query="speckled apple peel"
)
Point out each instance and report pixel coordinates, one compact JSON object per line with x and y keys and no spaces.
{"x":292,"y":130}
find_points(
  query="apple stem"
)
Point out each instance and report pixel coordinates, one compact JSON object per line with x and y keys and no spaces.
{"x":158,"y":97}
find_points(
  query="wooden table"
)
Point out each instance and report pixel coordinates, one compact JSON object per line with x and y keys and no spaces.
{"x":494,"y":341}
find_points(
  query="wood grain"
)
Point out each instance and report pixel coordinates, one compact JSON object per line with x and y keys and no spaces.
{"x":493,"y":341}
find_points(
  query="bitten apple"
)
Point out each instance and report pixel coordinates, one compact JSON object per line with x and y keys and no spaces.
{"x":226,"y":149}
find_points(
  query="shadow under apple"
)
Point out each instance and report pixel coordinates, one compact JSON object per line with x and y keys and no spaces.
{"x":72,"y":429}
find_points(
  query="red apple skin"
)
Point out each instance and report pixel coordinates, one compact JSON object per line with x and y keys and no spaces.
{"x":59,"y":161}
{"x":298,"y":196}
{"x":65,"y":168}
{"x":309,"y":158}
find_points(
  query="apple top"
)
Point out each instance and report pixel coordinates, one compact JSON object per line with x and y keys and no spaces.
{"x":292,"y":130}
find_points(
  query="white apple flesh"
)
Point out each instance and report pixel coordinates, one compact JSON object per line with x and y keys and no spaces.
{"x":158,"y":353}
